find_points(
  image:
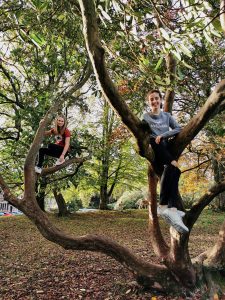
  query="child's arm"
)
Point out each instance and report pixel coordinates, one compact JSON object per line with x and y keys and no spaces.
{"x":47,"y":132}
{"x":65,"y":149}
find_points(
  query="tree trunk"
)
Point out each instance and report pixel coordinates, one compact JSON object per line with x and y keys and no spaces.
{"x":104,"y":199}
{"x":41,"y":189}
{"x":219,"y":171}
{"x":63,"y":211}
{"x":106,"y":133}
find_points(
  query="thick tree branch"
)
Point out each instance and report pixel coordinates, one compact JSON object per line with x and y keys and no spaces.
{"x":52,"y":170}
{"x":110,"y":92}
{"x":216,"y":255}
{"x":169,"y":95}
{"x":159,"y":245}
{"x":153,"y":275}
{"x":208,"y":111}
{"x":196,"y":209}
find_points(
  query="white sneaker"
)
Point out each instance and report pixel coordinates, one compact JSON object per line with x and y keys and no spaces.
{"x":160,"y":211}
{"x":174,"y":219}
{"x":58,"y":162}
{"x":181,"y":213}
{"x":38,"y":170}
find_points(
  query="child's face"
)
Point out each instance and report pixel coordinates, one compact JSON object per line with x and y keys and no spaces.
{"x":60,"y":122}
{"x":154,"y":101}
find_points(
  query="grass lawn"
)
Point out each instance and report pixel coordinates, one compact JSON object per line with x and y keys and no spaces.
{"x":33,"y":268}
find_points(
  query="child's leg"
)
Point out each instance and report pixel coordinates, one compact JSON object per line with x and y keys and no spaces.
{"x":55,"y":150}
{"x":162,"y":155}
{"x":41,"y":156}
{"x":165,"y":185}
{"x":52,"y":150}
{"x":173,"y":193}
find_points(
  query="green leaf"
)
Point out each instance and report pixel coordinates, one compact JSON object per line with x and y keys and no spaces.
{"x":208,"y":38}
{"x":176,"y":54}
{"x":185,"y":50}
{"x":158,"y":63}
{"x":216,"y":33}
{"x":165,"y":34}
{"x":122,"y":26}
{"x":104,"y":13}
{"x":186,"y":65}
{"x":116,"y":6}
{"x":37,"y":39}
{"x":216,"y":23}
{"x":180,"y":74}
{"x":159,"y":80}
{"x":61,"y":17}
{"x":36,"y":3}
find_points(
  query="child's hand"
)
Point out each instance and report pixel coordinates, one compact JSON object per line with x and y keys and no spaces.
{"x":61,"y":158}
{"x":158,"y":139}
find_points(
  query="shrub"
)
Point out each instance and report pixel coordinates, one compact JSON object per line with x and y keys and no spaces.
{"x":74,"y":205}
{"x":188,"y":201}
{"x":129,"y":199}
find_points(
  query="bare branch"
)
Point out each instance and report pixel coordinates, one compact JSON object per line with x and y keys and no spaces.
{"x":197,"y":166}
{"x":13,"y":85}
{"x":51,"y":170}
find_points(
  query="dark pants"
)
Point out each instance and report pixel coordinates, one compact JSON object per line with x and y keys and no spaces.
{"x":52,"y":150}
{"x":170,"y":174}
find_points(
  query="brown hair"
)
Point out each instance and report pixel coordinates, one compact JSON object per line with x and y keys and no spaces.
{"x":153,"y":91}
{"x":58,"y":130}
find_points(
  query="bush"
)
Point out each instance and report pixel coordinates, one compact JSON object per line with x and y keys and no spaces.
{"x":74,"y":205}
{"x":111,"y":206}
{"x":129,"y":199}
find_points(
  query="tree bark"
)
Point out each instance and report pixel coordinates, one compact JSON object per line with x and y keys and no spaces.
{"x":219,"y":173}
{"x":104,"y":199}
{"x":41,"y":193}
{"x":63,"y":211}
{"x":216,"y":256}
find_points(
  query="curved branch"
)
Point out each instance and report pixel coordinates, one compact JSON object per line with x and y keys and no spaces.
{"x":159,"y":245}
{"x":212,"y":106}
{"x":171,"y":65}
{"x":196,"y":209}
{"x":153,"y":275}
{"x":51,"y":170}
{"x":109,"y":90}
{"x":8,"y":195}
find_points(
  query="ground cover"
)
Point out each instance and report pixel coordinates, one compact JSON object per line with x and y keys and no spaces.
{"x":33,"y":268}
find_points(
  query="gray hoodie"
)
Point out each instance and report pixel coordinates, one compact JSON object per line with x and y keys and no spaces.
{"x":161,"y":124}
